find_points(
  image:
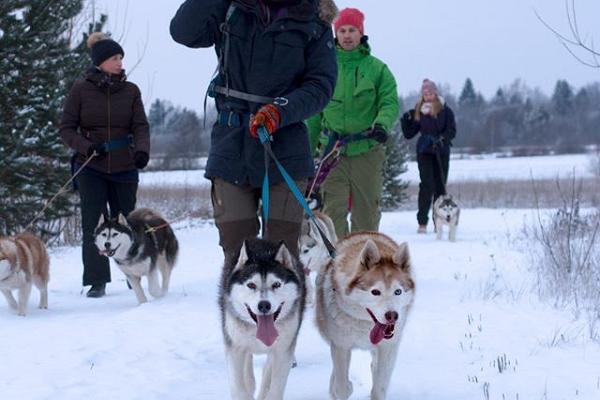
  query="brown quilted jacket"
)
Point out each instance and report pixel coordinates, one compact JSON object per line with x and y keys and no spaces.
{"x":101,"y":108}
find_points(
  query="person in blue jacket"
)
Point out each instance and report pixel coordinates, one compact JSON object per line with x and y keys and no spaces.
{"x":277,"y":67}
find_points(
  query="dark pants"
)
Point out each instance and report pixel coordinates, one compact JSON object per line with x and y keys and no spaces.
{"x":236,"y":215}
{"x":432,"y":183}
{"x":95,"y":192}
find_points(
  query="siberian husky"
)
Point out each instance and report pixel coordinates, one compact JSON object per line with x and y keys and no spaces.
{"x":140,"y":244}
{"x":313,"y":252}
{"x":262,"y":302}
{"x":23,"y":261}
{"x":363,"y":298}
{"x":445,"y":212}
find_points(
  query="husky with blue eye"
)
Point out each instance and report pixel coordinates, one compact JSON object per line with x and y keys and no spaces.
{"x":262,"y":298}
{"x":142,"y":245}
{"x":363,"y":298}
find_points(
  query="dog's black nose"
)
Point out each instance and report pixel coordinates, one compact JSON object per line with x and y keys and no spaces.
{"x":107,"y":245}
{"x":264,"y":306}
{"x":391,"y":317}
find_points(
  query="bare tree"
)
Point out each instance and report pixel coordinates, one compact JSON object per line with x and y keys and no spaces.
{"x":573,"y":41}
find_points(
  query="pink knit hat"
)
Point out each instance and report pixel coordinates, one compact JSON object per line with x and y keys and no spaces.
{"x":350,"y":16}
{"x":429,"y":85}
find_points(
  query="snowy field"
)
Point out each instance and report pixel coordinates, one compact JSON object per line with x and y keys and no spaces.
{"x":476,"y":330}
{"x":475,"y":168}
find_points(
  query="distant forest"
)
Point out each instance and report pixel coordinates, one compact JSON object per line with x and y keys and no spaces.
{"x":517,"y":119}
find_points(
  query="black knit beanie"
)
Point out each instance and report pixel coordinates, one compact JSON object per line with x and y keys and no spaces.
{"x":103,"y":47}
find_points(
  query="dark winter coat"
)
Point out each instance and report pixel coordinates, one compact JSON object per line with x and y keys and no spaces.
{"x":292,"y":56}
{"x":432,"y":129}
{"x":101,"y":108}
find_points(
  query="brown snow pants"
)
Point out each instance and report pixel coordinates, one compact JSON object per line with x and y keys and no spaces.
{"x":236,"y":212}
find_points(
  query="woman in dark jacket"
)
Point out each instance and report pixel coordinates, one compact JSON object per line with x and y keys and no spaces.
{"x":435,"y":121}
{"x":277,"y":67}
{"x":104,"y":122}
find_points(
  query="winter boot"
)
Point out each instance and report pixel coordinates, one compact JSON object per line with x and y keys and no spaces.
{"x":96,"y":291}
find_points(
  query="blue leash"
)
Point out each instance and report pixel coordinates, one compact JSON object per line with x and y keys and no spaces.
{"x":265,"y":139}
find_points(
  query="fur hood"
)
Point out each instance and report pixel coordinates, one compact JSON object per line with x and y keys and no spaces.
{"x":303,"y":9}
{"x":328,"y":10}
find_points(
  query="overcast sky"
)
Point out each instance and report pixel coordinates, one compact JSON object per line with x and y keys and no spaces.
{"x":493,"y":42}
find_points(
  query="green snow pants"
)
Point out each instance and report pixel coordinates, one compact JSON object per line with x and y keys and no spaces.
{"x":354,"y":186}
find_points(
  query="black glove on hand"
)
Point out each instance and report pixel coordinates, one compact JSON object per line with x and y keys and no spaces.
{"x":379,"y":134}
{"x":407,"y":116}
{"x":98,"y":149}
{"x":438,"y":143}
{"x":140,"y":159}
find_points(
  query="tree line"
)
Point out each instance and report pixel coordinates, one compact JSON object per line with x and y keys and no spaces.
{"x":517,"y":119}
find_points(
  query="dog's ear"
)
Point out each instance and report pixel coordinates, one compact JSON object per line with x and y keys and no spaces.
{"x":101,"y":220}
{"x":284,"y":257}
{"x":122,"y":220}
{"x":402,"y":257}
{"x":369,"y":255}
{"x":305,"y":227}
{"x":243,"y":258}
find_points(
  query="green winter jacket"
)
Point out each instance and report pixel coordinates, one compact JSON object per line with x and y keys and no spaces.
{"x":365,"y":95}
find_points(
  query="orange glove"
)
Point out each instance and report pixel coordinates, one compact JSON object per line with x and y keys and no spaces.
{"x":267,"y":116}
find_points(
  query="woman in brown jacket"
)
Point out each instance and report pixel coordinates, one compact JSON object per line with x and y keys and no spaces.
{"x":104,"y":119}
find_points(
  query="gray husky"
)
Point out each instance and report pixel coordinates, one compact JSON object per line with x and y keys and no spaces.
{"x":446,"y":212}
{"x":262,"y":301}
{"x":141,"y":244}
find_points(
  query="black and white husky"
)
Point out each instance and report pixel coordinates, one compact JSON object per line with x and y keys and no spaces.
{"x":262,"y":300}
{"x":141,"y":244}
{"x":446,"y":212}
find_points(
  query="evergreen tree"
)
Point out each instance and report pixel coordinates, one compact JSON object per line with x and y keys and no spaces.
{"x":158,"y":116}
{"x":397,"y":155}
{"x":37,"y":66}
{"x":499,"y":99}
{"x":468,"y":97}
{"x":582,"y":100}
{"x":562,"y":99}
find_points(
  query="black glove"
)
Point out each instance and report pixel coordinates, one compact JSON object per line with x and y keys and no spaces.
{"x":379,"y":134}
{"x":438,"y":143}
{"x":98,"y":150}
{"x":140,"y":159}
{"x":407,"y":116}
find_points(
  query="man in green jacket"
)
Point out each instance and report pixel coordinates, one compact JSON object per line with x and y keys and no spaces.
{"x":363,"y":110}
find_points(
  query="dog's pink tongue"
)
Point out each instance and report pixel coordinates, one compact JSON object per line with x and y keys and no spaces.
{"x":377,"y":333}
{"x":266,"y":331}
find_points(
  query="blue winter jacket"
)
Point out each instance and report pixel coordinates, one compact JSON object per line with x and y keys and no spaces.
{"x":288,"y":52}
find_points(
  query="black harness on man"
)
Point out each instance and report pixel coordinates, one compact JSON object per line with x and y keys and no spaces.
{"x":232,"y":118}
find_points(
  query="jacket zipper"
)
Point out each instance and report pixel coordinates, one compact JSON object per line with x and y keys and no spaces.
{"x":108,"y":101}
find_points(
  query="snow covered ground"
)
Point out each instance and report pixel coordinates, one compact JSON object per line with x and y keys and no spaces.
{"x":476,"y":328}
{"x":479,"y":168}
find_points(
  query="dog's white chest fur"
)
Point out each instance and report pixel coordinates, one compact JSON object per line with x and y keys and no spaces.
{"x":10,"y":279}
{"x":5,"y":270}
{"x":139,"y":269}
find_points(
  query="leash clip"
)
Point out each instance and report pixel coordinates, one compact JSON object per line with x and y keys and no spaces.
{"x":281,"y":101}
